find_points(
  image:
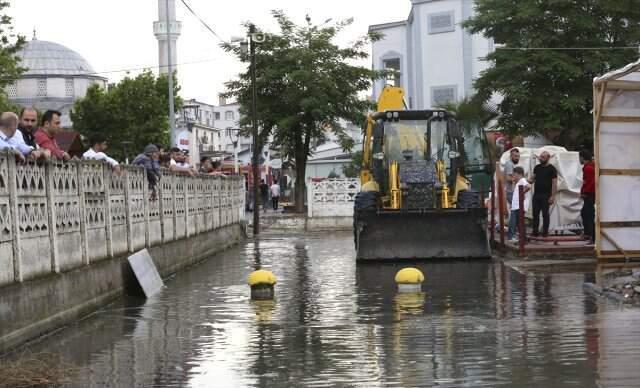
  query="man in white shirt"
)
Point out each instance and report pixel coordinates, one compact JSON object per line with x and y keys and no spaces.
{"x":96,"y":152}
{"x":518,"y":177}
{"x":178,"y":163}
{"x":275,"y":194}
{"x":9,"y":141}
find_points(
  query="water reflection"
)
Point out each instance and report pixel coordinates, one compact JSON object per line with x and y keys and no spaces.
{"x":334,"y":323}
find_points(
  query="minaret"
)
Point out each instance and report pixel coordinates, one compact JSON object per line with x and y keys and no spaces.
{"x":160,"y":30}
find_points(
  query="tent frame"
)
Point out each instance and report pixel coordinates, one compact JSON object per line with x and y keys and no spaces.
{"x":612,"y":83}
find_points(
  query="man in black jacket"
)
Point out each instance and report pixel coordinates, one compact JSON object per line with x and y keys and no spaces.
{"x":28,"y":126}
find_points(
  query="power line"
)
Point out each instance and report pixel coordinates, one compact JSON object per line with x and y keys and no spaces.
{"x":202,"y":21}
{"x":568,"y":48}
{"x":125,"y":70}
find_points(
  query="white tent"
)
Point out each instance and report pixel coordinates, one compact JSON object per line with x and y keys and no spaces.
{"x":565,"y":214}
{"x":617,"y":148}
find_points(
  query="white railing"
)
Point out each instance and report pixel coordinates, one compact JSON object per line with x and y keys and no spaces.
{"x":332,"y":197}
{"x":55,"y":217}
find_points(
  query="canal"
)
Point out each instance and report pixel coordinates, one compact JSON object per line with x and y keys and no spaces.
{"x":336,"y":323}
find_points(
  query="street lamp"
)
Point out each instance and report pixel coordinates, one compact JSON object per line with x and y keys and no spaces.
{"x":253,"y":37}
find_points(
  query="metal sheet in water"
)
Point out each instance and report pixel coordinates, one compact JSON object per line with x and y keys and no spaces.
{"x":146,"y":273}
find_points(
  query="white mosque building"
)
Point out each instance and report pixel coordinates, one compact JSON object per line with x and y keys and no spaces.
{"x":433,"y":57}
{"x":56,"y":77}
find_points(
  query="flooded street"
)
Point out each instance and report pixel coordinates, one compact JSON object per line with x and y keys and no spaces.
{"x":335,"y":323}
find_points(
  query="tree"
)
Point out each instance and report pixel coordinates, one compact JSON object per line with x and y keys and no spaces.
{"x":306,"y":85}
{"x":10,"y":45}
{"x":134,"y":110}
{"x":471,"y":113}
{"x":352,"y":170}
{"x":549,"y":53}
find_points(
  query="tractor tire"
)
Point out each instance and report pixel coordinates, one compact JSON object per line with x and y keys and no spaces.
{"x":365,"y":201}
{"x":469,"y":200}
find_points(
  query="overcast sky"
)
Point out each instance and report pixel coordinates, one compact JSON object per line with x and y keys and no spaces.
{"x":118,"y":34}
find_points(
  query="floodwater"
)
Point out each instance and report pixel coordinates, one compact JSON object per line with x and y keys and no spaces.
{"x":336,"y":323}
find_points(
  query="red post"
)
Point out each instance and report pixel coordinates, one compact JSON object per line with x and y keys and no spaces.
{"x":493,"y":211}
{"x":522,"y":231}
{"x":501,"y":204}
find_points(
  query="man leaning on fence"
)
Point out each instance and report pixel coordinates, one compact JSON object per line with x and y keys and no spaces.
{"x":46,"y":135}
{"x":147,"y":159}
{"x":12,"y":143}
{"x":97,"y":152}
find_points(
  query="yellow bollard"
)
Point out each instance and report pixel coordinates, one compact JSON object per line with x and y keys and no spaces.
{"x":262,"y":285}
{"x":409,"y":280}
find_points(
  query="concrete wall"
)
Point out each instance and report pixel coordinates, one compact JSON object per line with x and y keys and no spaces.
{"x":65,"y":229}
{"x":332,"y":197}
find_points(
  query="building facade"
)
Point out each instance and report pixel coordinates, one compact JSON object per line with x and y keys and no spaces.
{"x":433,"y":57}
{"x":56,"y":77}
{"x":197,"y":132}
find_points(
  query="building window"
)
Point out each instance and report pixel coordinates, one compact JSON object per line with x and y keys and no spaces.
{"x":393,"y":66}
{"x":217,"y":115}
{"x":441,"y":95}
{"x":69,"y":90}
{"x":42,"y":88}
{"x":12,"y":89}
{"x":441,"y":22}
{"x":228,"y":115}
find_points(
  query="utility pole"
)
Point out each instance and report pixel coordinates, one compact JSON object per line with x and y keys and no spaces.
{"x":255,"y":156}
{"x":172,"y":111}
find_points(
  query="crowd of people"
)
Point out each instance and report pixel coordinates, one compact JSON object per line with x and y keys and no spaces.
{"x":21,"y":136}
{"x":544,"y":184}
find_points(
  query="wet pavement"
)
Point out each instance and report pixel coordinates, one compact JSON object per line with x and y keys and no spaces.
{"x":336,"y":323}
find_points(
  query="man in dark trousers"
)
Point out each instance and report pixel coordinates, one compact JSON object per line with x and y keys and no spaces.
{"x":588,"y":193}
{"x":545,"y":179}
{"x":264,"y":194}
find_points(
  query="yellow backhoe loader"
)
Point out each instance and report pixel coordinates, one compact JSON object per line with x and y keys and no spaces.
{"x":416,"y":200}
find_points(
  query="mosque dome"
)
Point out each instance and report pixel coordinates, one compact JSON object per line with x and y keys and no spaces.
{"x":55,"y":78}
{"x":43,"y":58}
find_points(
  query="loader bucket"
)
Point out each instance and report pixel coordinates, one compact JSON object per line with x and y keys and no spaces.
{"x":422,"y":234}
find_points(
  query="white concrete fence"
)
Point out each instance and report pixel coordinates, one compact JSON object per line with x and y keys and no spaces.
{"x":332,"y":197}
{"x":56,"y":217}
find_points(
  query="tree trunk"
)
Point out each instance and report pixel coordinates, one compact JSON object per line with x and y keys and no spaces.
{"x":301,"y":186}
{"x":302,"y":152}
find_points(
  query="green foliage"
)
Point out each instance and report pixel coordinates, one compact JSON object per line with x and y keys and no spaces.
{"x":10,"y":45}
{"x":352,"y":170}
{"x":306,"y":84}
{"x":546,"y":89}
{"x":134,"y":110}
{"x":471,"y":113}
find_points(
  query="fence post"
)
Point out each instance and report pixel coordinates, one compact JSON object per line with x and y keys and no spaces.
{"x":186,"y":205}
{"x":107,"y":174}
{"x":127,"y":202}
{"x":82,"y":207}
{"x":501,"y":204}
{"x":146,"y":199}
{"x":51,"y":216}
{"x":522,"y":231}
{"x":15,"y":218}
{"x":310,"y":199}
{"x":493,"y":211}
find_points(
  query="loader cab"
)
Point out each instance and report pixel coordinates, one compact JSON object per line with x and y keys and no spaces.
{"x":429,"y":135}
